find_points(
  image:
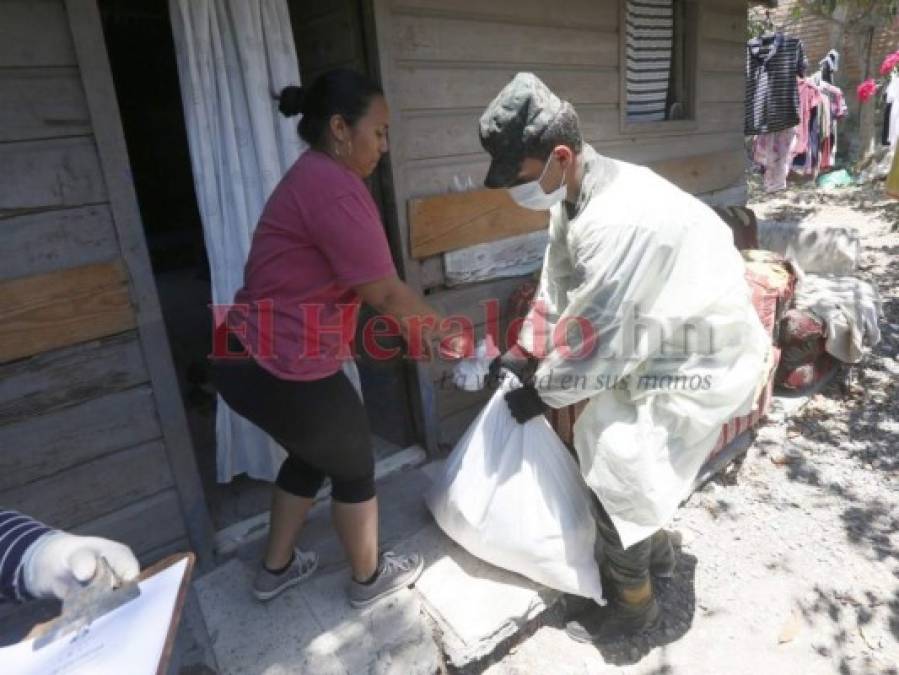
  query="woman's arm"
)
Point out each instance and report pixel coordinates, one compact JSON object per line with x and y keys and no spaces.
{"x":418,"y":320}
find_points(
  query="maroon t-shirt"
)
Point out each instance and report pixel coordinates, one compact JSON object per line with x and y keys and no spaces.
{"x":319,"y":235}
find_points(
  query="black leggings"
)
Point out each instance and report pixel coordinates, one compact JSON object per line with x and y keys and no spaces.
{"x":321,"y":423}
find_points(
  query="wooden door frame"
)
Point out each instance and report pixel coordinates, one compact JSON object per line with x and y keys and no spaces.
{"x":106,"y":122}
{"x":420,"y":389}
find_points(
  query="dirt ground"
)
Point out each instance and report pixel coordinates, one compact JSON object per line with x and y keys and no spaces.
{"x":790,"y":564}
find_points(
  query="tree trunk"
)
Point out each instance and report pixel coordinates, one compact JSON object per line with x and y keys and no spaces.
{"x":864,"y":44}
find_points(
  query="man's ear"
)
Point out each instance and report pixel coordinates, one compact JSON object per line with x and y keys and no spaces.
{"x":563,"y":155}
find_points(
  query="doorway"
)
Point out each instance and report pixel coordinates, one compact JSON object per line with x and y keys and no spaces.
{"x":142,"y":57}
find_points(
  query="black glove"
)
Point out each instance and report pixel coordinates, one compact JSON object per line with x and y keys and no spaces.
{"x":525,"y":403}
{"x":516,"y":361}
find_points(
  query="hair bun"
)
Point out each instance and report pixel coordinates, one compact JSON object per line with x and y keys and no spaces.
{"x":290,"y":101}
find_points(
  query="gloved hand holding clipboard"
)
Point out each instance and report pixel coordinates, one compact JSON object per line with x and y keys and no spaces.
{"x":109,"y":628}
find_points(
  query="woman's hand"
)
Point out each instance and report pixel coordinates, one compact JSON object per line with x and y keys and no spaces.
{"x":419,"y":321}
{"x":458,"y":346}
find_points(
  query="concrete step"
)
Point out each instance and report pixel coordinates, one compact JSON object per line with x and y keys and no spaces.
{"x":459,"y":611}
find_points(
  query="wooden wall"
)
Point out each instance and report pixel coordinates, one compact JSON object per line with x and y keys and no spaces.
{"x":92,"y":437}
{"x":442,"y":62}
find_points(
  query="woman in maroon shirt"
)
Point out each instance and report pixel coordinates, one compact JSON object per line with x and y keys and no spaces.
{"x":318,"y":251}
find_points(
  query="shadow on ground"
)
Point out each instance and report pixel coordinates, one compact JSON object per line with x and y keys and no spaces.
{"x":869,"y":440}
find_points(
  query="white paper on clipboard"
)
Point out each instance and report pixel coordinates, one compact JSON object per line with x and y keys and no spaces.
{"x":129,"y":639}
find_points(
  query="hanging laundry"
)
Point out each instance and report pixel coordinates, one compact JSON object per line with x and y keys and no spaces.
{"x":772,"y":98}
{"x":891,"y":119}
{"x":829,"y":65}
{"x":821,"y":105}
{"x":838,"y":111}
{"x":774,"y":153}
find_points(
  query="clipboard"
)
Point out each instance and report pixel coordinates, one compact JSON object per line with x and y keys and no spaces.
{"x":59,"y":639}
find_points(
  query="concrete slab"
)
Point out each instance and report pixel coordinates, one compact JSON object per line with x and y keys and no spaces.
{"x":312,"y":628}
{"x":392,"y":636}
{"x":251,"y":637}
{"x":475,"y":606}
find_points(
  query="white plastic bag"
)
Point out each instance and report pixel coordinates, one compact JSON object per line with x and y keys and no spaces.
{"x":471,"y":374}
{"x":512,"y":495}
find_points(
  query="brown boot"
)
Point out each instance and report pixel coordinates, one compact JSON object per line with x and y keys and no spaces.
{"x":630,"y":612}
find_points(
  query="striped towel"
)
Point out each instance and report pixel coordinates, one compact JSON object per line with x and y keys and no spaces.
{"x":650,"y":36}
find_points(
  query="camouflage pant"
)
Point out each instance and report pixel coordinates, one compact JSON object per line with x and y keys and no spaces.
{"x":628,"y":568}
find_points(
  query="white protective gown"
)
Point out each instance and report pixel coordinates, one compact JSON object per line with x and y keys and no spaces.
{"x":678,"y":348}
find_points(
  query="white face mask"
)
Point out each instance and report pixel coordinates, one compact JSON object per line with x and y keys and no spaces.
{"x":531,"y":195}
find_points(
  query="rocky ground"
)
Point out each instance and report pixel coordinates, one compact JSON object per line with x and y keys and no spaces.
{"x":789,"y":564}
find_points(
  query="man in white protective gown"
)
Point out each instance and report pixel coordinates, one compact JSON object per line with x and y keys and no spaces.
{"x":643,"y":311}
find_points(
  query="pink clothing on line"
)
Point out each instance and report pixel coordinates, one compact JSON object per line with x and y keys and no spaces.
{"x":809,"y":98}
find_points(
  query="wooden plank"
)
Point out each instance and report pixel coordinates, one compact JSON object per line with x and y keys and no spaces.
{"x":46,"y":241}
{"x":655,"y":149}
{"x":509,"y":257}
{"x":58,"y":309}
{"x":377,"y":20}
{"x":721,"y":87}
{"x":423,"y":178}
{"x":704,"y":173}
{"x":94,"y":489}
{"x":452,"y":400}
{"x":442,"y":133}
{"x":87,"y":32}
{"x":453,"y":221}
{"x":50,"y":444}
{"x":70,"y":376}
{"x":432,"y":274}
{"x":721,"y":56}
{"x":723,"y":26}
{"x":129,"y":524}
{"x":724,"y":116}
{"x":427,"y":38}
{"x":41,"y":103}
{"x":469,"y":301}
{"x":50,"y":173}
{"x":421,"y":86}
{"x":34,"y":33}
{"x":592,"y":14}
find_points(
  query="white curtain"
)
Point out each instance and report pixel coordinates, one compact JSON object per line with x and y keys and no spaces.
{"x":232,"y":54}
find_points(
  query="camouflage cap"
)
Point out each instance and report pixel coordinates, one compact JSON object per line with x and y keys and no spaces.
{"x":513,"y":123}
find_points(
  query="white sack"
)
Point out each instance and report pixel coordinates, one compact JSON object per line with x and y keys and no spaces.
{"x":512,"y":495}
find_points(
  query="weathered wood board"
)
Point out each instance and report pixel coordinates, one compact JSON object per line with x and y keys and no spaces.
{"x":58,"y":441}
{"x":54,"y":310}
{"x":454,"y":221}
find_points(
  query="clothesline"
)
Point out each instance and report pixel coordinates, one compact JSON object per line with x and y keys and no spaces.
{"x":792,"y":117}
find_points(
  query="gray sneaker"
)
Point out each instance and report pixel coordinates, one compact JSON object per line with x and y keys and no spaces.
{"x":268,"y":585}
{"x":394,"y":572}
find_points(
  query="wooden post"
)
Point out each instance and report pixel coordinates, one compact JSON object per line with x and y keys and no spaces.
{"x":96,"y":76}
